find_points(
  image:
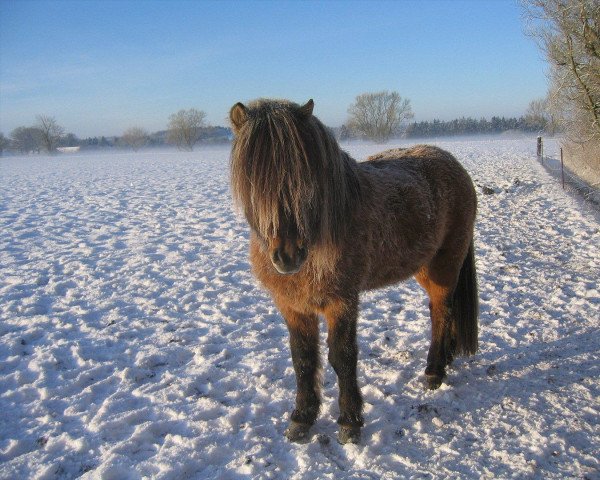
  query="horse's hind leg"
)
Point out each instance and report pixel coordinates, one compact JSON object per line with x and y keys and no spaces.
{"x":439,"y":280}
{"x":304,"y":345}
{"x":343,"y":355}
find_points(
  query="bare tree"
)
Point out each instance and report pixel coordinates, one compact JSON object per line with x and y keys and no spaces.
{"x":568,"y":31}
{"x":51,"y":132}
{"x":185,"y":128}
{"x":379,"y":115}
{"x":135,"y":137}
{"x":374,"y":115}
{"x":540,"y":116}
{"x":26,"y":139}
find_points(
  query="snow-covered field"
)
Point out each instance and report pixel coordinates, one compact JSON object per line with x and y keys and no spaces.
{"x":135,"y":343}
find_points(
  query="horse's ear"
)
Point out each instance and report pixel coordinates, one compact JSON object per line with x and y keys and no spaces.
{"x":307,"y":109}
{"x":238,"y":115}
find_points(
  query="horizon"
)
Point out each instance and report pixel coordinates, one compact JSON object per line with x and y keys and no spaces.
{"x":101,"y":67}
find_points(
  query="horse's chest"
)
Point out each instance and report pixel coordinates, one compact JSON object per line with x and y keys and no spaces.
{"x":294,"y":291}
{"x":298,"y":290}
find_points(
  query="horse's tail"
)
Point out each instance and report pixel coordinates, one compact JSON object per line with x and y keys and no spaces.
{"x":465,"y":306}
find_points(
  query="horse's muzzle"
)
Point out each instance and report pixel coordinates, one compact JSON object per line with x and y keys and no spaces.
{"x":287,"y":259}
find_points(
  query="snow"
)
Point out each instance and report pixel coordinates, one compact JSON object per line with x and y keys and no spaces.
{"x":135,"y":343}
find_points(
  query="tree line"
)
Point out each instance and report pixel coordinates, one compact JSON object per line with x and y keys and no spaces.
{"x":471,"y":126}
{"x":186,"y":128}
{"x":459,"y":126}
{"x":44,"y":135}
{"x":376,"y":116}
{"x":380,"y":116}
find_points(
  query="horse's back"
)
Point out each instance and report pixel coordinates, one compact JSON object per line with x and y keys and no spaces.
{"x":423,"y":157}
{"x":433,"y":165}
{"x":416,"y":151}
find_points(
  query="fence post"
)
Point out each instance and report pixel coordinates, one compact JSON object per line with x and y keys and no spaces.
{"x":562,"y":168}
{"x":539,"y":147}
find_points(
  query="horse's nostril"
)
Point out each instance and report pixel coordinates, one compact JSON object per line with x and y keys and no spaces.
{"x":276,"y":257}
{"x":302,"y":253}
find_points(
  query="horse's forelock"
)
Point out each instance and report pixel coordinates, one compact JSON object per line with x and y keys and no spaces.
{"x":283,"y":169}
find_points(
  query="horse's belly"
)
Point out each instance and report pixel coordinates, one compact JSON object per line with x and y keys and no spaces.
{"x":391,"y":263}
{"x":382,"y":276}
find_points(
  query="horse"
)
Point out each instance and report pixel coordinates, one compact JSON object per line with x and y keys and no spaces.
{"x":324,"y":228}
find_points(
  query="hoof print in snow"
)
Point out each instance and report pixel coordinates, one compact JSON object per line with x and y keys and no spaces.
{"x":487,"y":190}
{"x":424,"y":410}
{"x":42,"y":441}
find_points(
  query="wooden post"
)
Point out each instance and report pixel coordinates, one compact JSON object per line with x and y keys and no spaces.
{"x":562,"y":168}
{"x":539,"y":147}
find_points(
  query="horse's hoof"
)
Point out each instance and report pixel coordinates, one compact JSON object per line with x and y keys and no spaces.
{"x":434,"y":381}
{"x":297,"y":432}
{"x":348,"y":434}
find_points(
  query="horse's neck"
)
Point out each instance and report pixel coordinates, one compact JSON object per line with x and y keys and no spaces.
{"x":347,"y":160}
{"x":352,"y":179}
{"x":349,"y":166}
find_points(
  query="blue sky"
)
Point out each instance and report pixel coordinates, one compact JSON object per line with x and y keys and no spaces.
{"x":100,"y":67}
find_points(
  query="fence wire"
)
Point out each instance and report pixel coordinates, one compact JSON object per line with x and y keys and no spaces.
{"x":569,"y":179}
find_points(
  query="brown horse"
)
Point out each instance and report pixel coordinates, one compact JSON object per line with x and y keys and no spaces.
{"x":324,"y":228}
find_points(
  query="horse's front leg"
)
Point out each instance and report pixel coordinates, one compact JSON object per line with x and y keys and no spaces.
{"x":304,"y":345}
{"x":343,"y":356}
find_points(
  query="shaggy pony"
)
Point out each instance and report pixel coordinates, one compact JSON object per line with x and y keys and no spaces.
{"x":324,"y":228}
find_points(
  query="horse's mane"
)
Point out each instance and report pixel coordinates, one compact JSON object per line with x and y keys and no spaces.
{"x":287,"y":166}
